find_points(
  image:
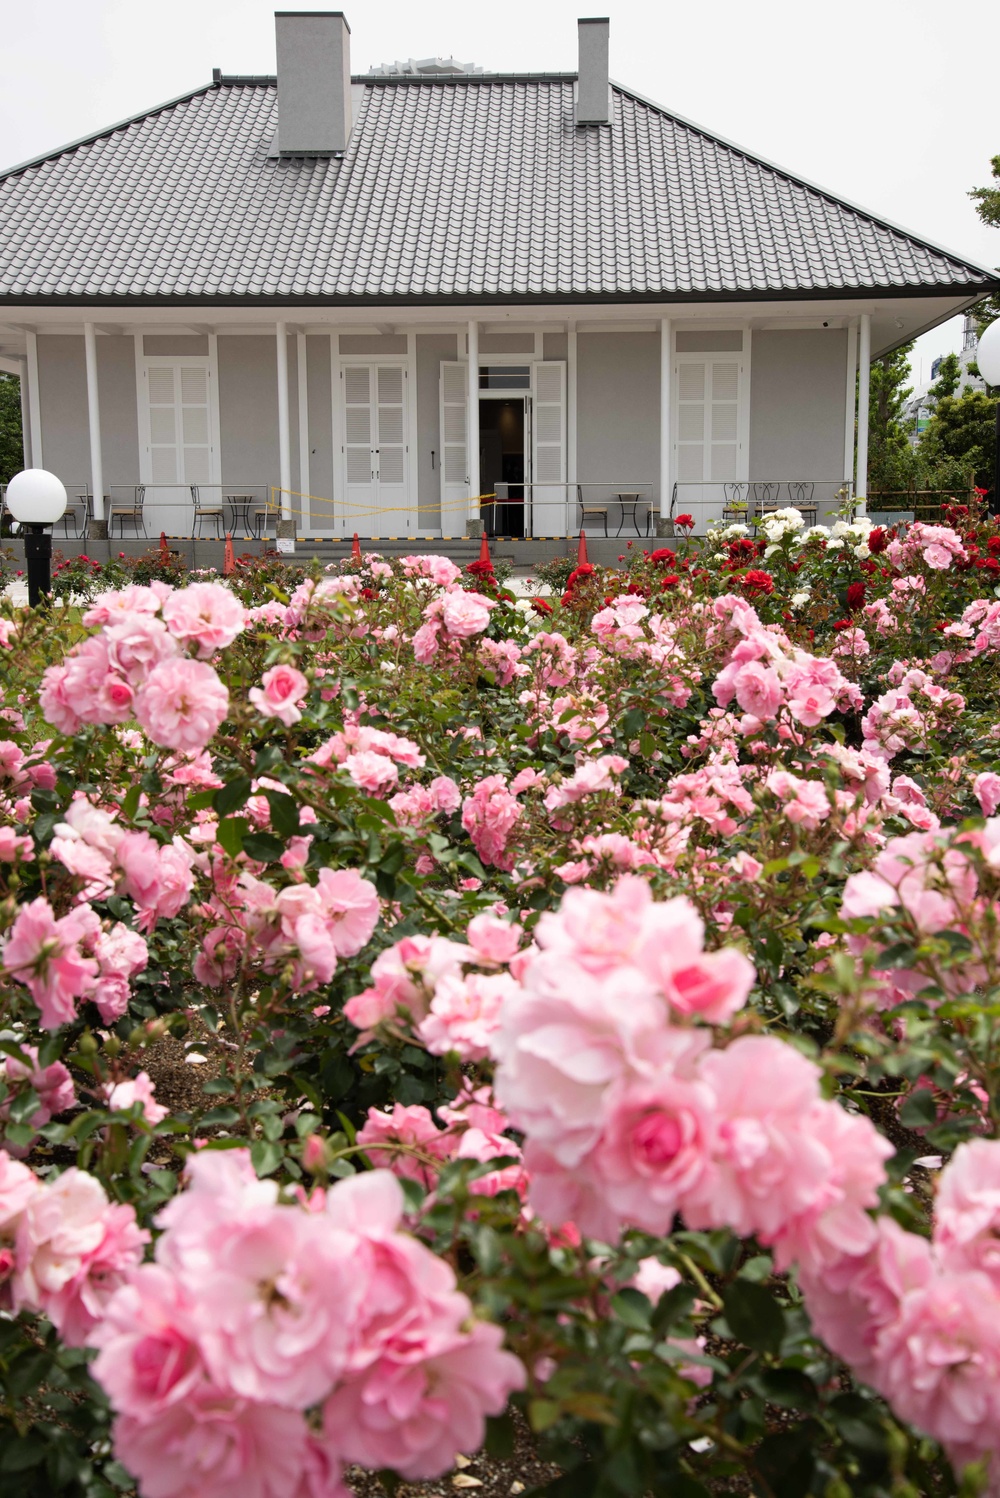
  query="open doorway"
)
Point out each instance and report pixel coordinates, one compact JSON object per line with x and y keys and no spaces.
{"x":502,"y":459}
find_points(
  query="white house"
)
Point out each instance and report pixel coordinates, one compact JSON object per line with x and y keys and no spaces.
{"x":317,"y":285}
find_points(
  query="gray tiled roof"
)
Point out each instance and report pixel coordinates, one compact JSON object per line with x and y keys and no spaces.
{"x":450,"y":190}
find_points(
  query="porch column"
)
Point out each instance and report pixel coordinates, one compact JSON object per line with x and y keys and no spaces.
{"x":851,"y":401}
{"x":571,"y":437}
{"x":94,"y":414}
{"x":34,"y":408}
{"x":864,"y":377}
{"x":25,"y":413}
{"x":303,"y":402}
{"x":666,"y":370}
{"x":284,"y":437}
{"x":472,"y":424}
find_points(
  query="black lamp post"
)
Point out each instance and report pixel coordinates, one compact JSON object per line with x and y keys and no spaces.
{"x":36,"y":499}
{"x":988,"y":359}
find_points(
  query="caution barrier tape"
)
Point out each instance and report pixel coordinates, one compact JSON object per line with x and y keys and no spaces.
{"x":484,"y":501}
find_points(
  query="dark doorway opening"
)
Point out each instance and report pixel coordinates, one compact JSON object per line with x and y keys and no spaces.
{"x":501,"y":460}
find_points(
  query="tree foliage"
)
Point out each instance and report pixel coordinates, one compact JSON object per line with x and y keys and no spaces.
{"x":11,"y":445}
{"x":891,"y":461}
{"x":962,"y":429}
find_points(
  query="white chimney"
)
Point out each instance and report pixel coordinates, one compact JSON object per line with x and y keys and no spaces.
{"x":314,"y":82}
{"x":593,"y":97}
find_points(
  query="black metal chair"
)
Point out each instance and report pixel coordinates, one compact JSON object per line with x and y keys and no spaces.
{"x":130,"y":510}
{"x":736,"y":503}
{"x":215,"y":513}
{"x":591,"y":511}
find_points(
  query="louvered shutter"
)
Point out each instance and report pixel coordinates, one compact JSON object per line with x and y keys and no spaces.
{"x":548,"y":473}
{"x":454,"y":452}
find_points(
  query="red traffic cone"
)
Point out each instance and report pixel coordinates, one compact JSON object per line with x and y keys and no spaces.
{"x":164,"y":548}
{"x":581,"y":551}
{"x":356,"y":549}
{"x":228,"y":560}
{"x":484,"y":551}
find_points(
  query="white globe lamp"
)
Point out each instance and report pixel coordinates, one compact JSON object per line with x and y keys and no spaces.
{"x":988,"y":359}
{"x":37,"y":499}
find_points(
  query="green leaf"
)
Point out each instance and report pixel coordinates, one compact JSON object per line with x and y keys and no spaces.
{"x":284,"y":813}
{"x":786,"y":1460}
{"x":262,"y":847}
{"x":20,"y":1455}
{"x":501,"y":1436}
{"x":647,"y":745}
{"x":229,"y":835}
{"x":266,"y":1156}
{"x":919,"y":1110}
{"x":131,"y":803}
{"x":221,"y":1117}
{"x":231,"y":796}
{"x":632,"y":1309}
{"x":672,"y":1306}
{"x":754,"y":1316}
{"x":788,"y":1388}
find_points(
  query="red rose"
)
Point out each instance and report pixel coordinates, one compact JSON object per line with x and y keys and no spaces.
{"x":670,"y":581}
{"x":578,"y":574}
{"x":877,"y":540}
{"x":664,"y":557}
{"x":855,"y":596}
{"x":541,"y":606}
{"x":755,"y":581}
{"x":686,"y":522}
{"x":843,"y":624}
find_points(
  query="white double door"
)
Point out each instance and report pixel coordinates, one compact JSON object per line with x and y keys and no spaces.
{"x":711,"y":446}
{"x":375,"y":451}
{"x":178,"y":442}
{"x":547,"y":497}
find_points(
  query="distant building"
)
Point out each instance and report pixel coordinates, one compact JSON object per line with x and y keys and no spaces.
{"x":920,"y":407}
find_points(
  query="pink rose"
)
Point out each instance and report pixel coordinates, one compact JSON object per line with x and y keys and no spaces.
{"x":74,"y":1249}
{"x":372,"y":772}
{"x":967,"y":1209}
{"x":281,"y":690}
{"x":44,"y":954}
{"x":465,"y":1014}
{"x":464,"y":614}
{"x":181,"y":704}
{"x":987,"y":789}
{"x":207,"y":615}
{"x":139,"y":1089}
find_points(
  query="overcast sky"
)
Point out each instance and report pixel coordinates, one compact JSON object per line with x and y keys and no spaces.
{"x":893,"y":106}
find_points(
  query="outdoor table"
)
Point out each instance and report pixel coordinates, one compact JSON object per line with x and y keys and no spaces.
{"x":633,"y":500}
{"x":240,"y":506}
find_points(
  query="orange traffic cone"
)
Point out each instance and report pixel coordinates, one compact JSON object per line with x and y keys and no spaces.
{"x":228,"y":560}
{"x":581,"y":551}
{"x":164,"y":548}
{"x":484,"y":551}
{"x":356,"y":549}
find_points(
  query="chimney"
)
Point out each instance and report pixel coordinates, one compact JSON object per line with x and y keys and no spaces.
{"x":593,"y":97}
{"x":314,"y":82}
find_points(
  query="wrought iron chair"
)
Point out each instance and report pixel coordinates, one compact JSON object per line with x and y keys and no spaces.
{"x":77,"y":511}
{"x":127,"y":509}
{"x":801,"y":497}
{"x":215,"y":513}
{"x":591,"y":511}
{"x":766,"y":496}
{"x":736,"y":504}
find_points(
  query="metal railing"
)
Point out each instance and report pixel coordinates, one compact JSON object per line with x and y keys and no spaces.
{"x":587,"y":499}
{"x":733,"y":500}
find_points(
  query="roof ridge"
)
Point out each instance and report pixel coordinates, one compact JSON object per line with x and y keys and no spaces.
{"x":87,"y":140}
{"x":799,"y":181}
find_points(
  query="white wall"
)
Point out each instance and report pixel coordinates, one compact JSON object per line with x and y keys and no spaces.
{"x":618,"y":413}
{"x":62,"y":389}
{"x":798,"y":384}
{"x":248,"y":410}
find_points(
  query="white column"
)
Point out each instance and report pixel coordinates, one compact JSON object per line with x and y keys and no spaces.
{"x":571,"y":428}
{"x":34,"y":407}
{"x":94,"y":414}
{"x":666,"y":436}
{"x":284,"y":436}
{"x":472,"y":423}
{"x":864,"y":376}
{"x":850,"y":401}
{"x":25,"y":413}
{"x":303,"y":403}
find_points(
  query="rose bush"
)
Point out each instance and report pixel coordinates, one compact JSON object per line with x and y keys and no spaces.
{"x":597,"y":1006}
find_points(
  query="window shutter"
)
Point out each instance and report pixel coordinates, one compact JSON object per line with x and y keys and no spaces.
{"x":358,"y":433}
{"x":454,"y":452}
{"x":548,"y":491}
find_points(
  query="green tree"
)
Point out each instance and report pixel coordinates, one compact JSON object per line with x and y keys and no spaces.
{"x":987,"y":201}
{"x":949,"y":375}
{"x":11,"y":447}
{"x":891,"y":460}
{"x":961,"y":432}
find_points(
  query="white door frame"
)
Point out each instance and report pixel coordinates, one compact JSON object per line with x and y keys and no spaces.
{"x":210,"y":361}
{"x":407,"y":363}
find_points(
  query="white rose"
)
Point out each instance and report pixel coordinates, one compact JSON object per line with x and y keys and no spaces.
{"x":835,"y":544}
{"x":798,"y":599}
{"x":862,"y":551}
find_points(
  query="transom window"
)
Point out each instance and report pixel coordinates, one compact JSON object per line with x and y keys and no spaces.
{"x":505,"y":377}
